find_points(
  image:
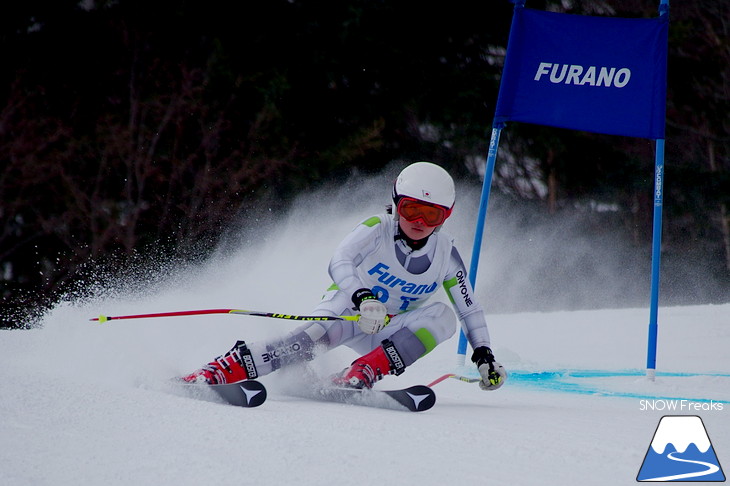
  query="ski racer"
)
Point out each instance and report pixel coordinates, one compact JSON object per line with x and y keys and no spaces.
{"x":385,"y":271}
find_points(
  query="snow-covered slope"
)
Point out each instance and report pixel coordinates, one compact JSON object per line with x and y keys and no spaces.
{"x":83,"y":403}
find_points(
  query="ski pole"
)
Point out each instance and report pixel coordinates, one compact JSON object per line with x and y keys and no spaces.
{"x":228,"y":311}
{"x":465,"y":379}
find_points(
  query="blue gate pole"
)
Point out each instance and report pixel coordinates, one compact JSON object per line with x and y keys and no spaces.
{"x":656,"y":244}
{"x":655,"y":259}
{"x":479,"y":231}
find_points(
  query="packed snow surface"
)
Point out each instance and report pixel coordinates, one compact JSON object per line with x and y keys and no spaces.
{"x":84,"y":403}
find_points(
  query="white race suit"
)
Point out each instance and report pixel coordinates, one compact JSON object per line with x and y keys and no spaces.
{"x":375,"y":256}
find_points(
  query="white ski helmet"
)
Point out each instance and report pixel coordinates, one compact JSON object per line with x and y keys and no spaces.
{"x":425,"y":182}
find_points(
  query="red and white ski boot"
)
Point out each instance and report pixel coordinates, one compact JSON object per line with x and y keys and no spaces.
{"x":366,"y":370}
{"x":234,"y":366}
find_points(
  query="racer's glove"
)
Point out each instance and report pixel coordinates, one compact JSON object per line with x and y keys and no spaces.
{"x":493,"y":373}
{"x":373,"y":314}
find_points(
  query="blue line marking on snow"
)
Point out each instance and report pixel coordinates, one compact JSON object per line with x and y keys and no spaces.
{"x":578,"y":381}
{"x":570,"y":381}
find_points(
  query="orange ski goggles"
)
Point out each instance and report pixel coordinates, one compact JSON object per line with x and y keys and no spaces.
{"x":430,"y":214}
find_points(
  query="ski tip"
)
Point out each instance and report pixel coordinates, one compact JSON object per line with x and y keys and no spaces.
{"x":417,"y":398}
{"x":248,"y":393}
{"x":255,"y":392}
{"x":423,"y":397}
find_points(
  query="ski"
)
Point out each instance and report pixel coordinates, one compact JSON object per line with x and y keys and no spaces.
{"x":252,"y":393}
{"x":248,"y":394}
{"x":418,"y":398}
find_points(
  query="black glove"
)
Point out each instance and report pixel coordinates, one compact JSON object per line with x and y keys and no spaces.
{"x":361,"y":295}
{"x":493,"y":373}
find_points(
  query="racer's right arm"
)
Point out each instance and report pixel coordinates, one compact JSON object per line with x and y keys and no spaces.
{"x":362,"y":241}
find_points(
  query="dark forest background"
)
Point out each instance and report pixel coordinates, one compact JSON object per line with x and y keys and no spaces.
{"x":131,"y":129}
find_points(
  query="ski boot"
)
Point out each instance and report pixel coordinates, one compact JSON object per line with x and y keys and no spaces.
{"x":366,"y":370}
{"x":234,"y":366}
